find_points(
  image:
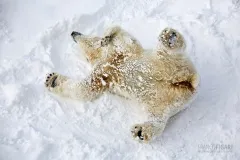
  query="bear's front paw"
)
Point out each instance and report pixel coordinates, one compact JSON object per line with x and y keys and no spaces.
{"x":51,"y":80}
{"x":142,"y":132}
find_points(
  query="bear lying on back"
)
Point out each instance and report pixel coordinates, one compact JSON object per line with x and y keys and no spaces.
{"x":164,"y":81}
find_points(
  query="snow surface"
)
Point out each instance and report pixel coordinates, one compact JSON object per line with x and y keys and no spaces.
{"x":35,"y":39}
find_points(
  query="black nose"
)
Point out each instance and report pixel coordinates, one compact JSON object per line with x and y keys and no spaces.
{"x":74,"y":34}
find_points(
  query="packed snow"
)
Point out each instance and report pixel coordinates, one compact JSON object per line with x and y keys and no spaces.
{"x":35,"y":40}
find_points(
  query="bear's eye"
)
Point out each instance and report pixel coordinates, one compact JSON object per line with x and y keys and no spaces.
{"x":90,"y":44}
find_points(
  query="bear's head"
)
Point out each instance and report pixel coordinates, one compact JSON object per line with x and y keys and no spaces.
{"x":115,"y":41}
{"x":90,"y":45}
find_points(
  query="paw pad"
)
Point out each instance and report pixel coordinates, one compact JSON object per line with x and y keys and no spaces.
{"x":141,"y":133}
{"x":137,"y":132}
{"x":171,"y":38}
{"x":51,"y":80}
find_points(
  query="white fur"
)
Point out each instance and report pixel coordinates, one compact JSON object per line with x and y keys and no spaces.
{"x":164,"y":81}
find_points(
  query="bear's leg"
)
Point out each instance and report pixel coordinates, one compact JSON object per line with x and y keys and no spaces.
{"x":158,"y":115}
{"x":63,"y":86}
{"x":146,"y":131}
{"x":172,"y":40}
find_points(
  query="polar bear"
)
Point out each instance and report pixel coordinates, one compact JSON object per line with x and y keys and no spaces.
{"x":164,"y":80}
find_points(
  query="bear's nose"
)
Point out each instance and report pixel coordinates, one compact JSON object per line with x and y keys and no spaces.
{"x":74,"y":34}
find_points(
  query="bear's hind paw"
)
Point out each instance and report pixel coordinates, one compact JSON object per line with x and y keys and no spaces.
{"x":171,"y":39}
{"x":142,"y":132}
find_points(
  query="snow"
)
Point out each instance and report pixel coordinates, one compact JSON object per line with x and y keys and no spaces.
{"x":35,"y":39}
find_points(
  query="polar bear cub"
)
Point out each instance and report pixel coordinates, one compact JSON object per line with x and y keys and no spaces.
{"x":164,"y":80}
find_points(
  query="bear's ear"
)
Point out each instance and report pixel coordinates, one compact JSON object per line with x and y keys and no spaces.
{"x":110,"y":34}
